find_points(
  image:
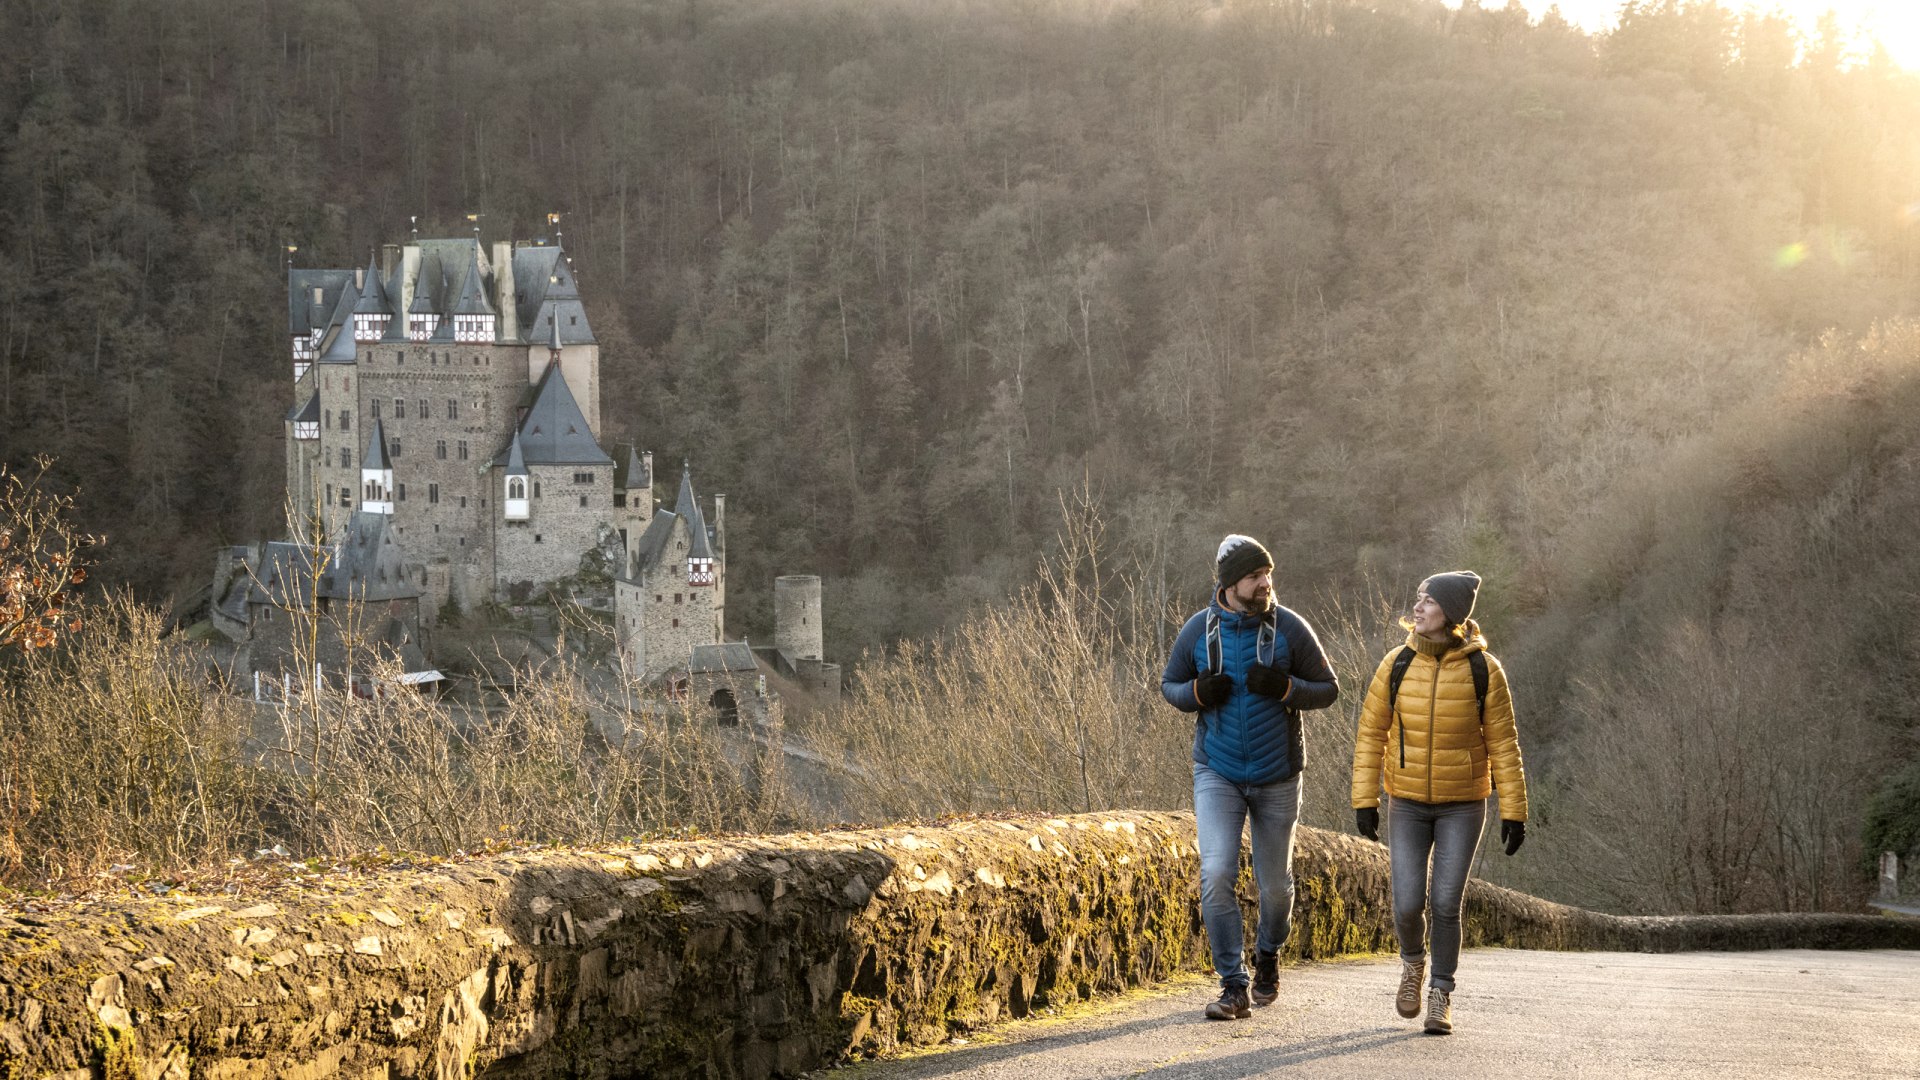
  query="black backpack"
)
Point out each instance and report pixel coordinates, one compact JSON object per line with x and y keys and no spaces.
{"x":1477,"y":660}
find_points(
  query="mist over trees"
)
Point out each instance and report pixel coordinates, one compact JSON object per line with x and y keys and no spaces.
{"x":1392,"y":287}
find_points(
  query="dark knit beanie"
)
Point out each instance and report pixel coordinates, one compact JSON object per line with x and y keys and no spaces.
{"x":1238,"y":557}
{"x":1455,"y":592}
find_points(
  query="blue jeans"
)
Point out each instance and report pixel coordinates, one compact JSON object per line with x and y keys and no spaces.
{"x":1220,"y":809}
{"x":1450,"y":833}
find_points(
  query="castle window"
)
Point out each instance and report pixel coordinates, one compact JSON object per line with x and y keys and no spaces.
{"x":440,"y":449}
{"x":583,"y":500}
{"x":433,"y":496}
{"x":583,"y":478}
{"x":401,"y":492}
{"x":657,"y":598}
{"x":619,"y":498}
{"x":676,"y":622}
{"x":516,"y":487}
{"x":463,"y":502}
{"x":374,"y":406}
{"x":399,"y":356}
{"x":393,"y":448}
{"x":536,"y":489}
{"x":346,"y":420}
{"x":453,"y":408}
{"x":536,"y":538}
{"x":423,"y":408}
{"x":328,"y":421}
{"x":346,"y":458}
{"x":463,"y":449}
{"x":399,"y":408}
{"x":346,"y":496}
{"x":676,"y":598}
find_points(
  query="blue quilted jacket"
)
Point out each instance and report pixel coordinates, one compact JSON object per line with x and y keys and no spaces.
{"x":1249,"y":738}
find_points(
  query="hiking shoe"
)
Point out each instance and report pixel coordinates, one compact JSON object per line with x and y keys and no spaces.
{"x":1412,"y":974}
{"x":1233,"y":1005}
{"x":1439,"y":1012}
{"x":1266,"y":978}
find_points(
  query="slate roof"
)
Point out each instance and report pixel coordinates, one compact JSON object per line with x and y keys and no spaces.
{"x":516,"y":461}
{"x":686,"y":506}
{"x":376,"y":453}
{"x":308,"y":413}
{"x":555,"y":432}
{"x":547,"y":297}
{"x":366,"y":565}
{"x":337,"y":346}
{"x":652,"y":542}
{"x":650,"y":549}
{"x":373,"y":295}
{"x":302,"y":313}
{"x":726,"y":656}
{"x":632,"y":471}
{"x":473,"y":291}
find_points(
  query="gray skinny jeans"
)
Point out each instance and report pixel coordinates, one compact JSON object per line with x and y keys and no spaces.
{"x":1450,"y":833}
{"x":1268,"y":813}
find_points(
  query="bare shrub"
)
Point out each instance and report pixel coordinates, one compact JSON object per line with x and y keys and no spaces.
{"x":1052,"y":702}
{"x":1704,"y":777}
{"x":114,"y":752}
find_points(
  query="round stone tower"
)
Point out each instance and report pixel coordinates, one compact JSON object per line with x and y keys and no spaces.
{"x":796,"y":616}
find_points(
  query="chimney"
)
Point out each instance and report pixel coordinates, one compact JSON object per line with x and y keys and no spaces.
{"x":389,"y":258}
{"x":503,"y":289}
{"x":720,"y":525}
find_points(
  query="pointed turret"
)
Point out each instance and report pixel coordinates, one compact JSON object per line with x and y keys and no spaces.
{"x":516,"y":505}
{"x":376,"y":474}
{"x":473,"y":315}
{"x":699,"y":544}
{"x":372,"y":311}
{"x":423,"y":315}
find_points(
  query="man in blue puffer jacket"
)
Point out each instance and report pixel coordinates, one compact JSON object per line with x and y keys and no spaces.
{"x":1248,"y":667}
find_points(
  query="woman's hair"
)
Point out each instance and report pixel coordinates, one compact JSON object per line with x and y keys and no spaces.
{"x":1460,"y":631}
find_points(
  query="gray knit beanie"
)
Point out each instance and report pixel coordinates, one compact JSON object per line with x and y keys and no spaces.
{"x":1238,"y":557}
{"x":1455,"y":591}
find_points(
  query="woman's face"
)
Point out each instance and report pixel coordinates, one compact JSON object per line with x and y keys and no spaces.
{"x":1428,"y":619}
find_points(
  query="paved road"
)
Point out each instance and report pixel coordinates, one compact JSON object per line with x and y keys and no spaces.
{"x":1516,"y":1014}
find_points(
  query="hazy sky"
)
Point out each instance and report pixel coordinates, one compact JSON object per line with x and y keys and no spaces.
{"x":1895,"y":22}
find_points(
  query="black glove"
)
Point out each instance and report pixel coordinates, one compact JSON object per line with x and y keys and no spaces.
{"x":1211,"y":690}
{"x":1367,"y":821}
{"x":1271,"y":681}
{"x":1513,"y":834}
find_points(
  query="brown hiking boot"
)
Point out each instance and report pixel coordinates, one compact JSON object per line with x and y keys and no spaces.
{"x":1439,"y":1012}
{"x":1266,"y":978}
{"x":1412,"y":974}
{"x":1233,"y":1005}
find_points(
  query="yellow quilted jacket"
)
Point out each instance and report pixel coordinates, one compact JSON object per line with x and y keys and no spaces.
{"x":1435,"y":747}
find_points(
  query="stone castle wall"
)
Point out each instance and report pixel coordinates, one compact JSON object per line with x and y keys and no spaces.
{"x":564,"y":523}
{"x":741,"y":958}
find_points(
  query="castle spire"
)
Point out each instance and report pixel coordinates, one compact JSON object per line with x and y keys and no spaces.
{"x":376,"y":474}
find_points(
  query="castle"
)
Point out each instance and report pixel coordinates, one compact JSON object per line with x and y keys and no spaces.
{"x":455,"y":391}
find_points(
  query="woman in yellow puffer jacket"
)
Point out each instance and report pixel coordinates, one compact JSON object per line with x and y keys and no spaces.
{"x":1438,"y":751}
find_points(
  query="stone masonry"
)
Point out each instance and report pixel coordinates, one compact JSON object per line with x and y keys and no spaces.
{"x":742,"y":957}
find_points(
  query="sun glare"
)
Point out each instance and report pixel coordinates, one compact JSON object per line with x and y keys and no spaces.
{"x":1894,"y":24}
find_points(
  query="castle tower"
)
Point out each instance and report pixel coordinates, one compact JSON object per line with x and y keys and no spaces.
{"x":796,"y":616}
{"x":515,"y":506}
{"x":632,"y":496}
{"x":376,"y":474}
{"x":669,"y":599}
{"x":371,"y":312}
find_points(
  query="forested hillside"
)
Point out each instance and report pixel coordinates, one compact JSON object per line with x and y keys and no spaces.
{"x":1391,"y":286}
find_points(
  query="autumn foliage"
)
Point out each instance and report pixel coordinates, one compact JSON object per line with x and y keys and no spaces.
{"x":42,"y":560}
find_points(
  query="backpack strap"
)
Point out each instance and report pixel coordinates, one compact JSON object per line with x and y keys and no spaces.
{"x":1215,"y":659}
{"x":1477,"y":660}
{"x":1394,"y":678}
